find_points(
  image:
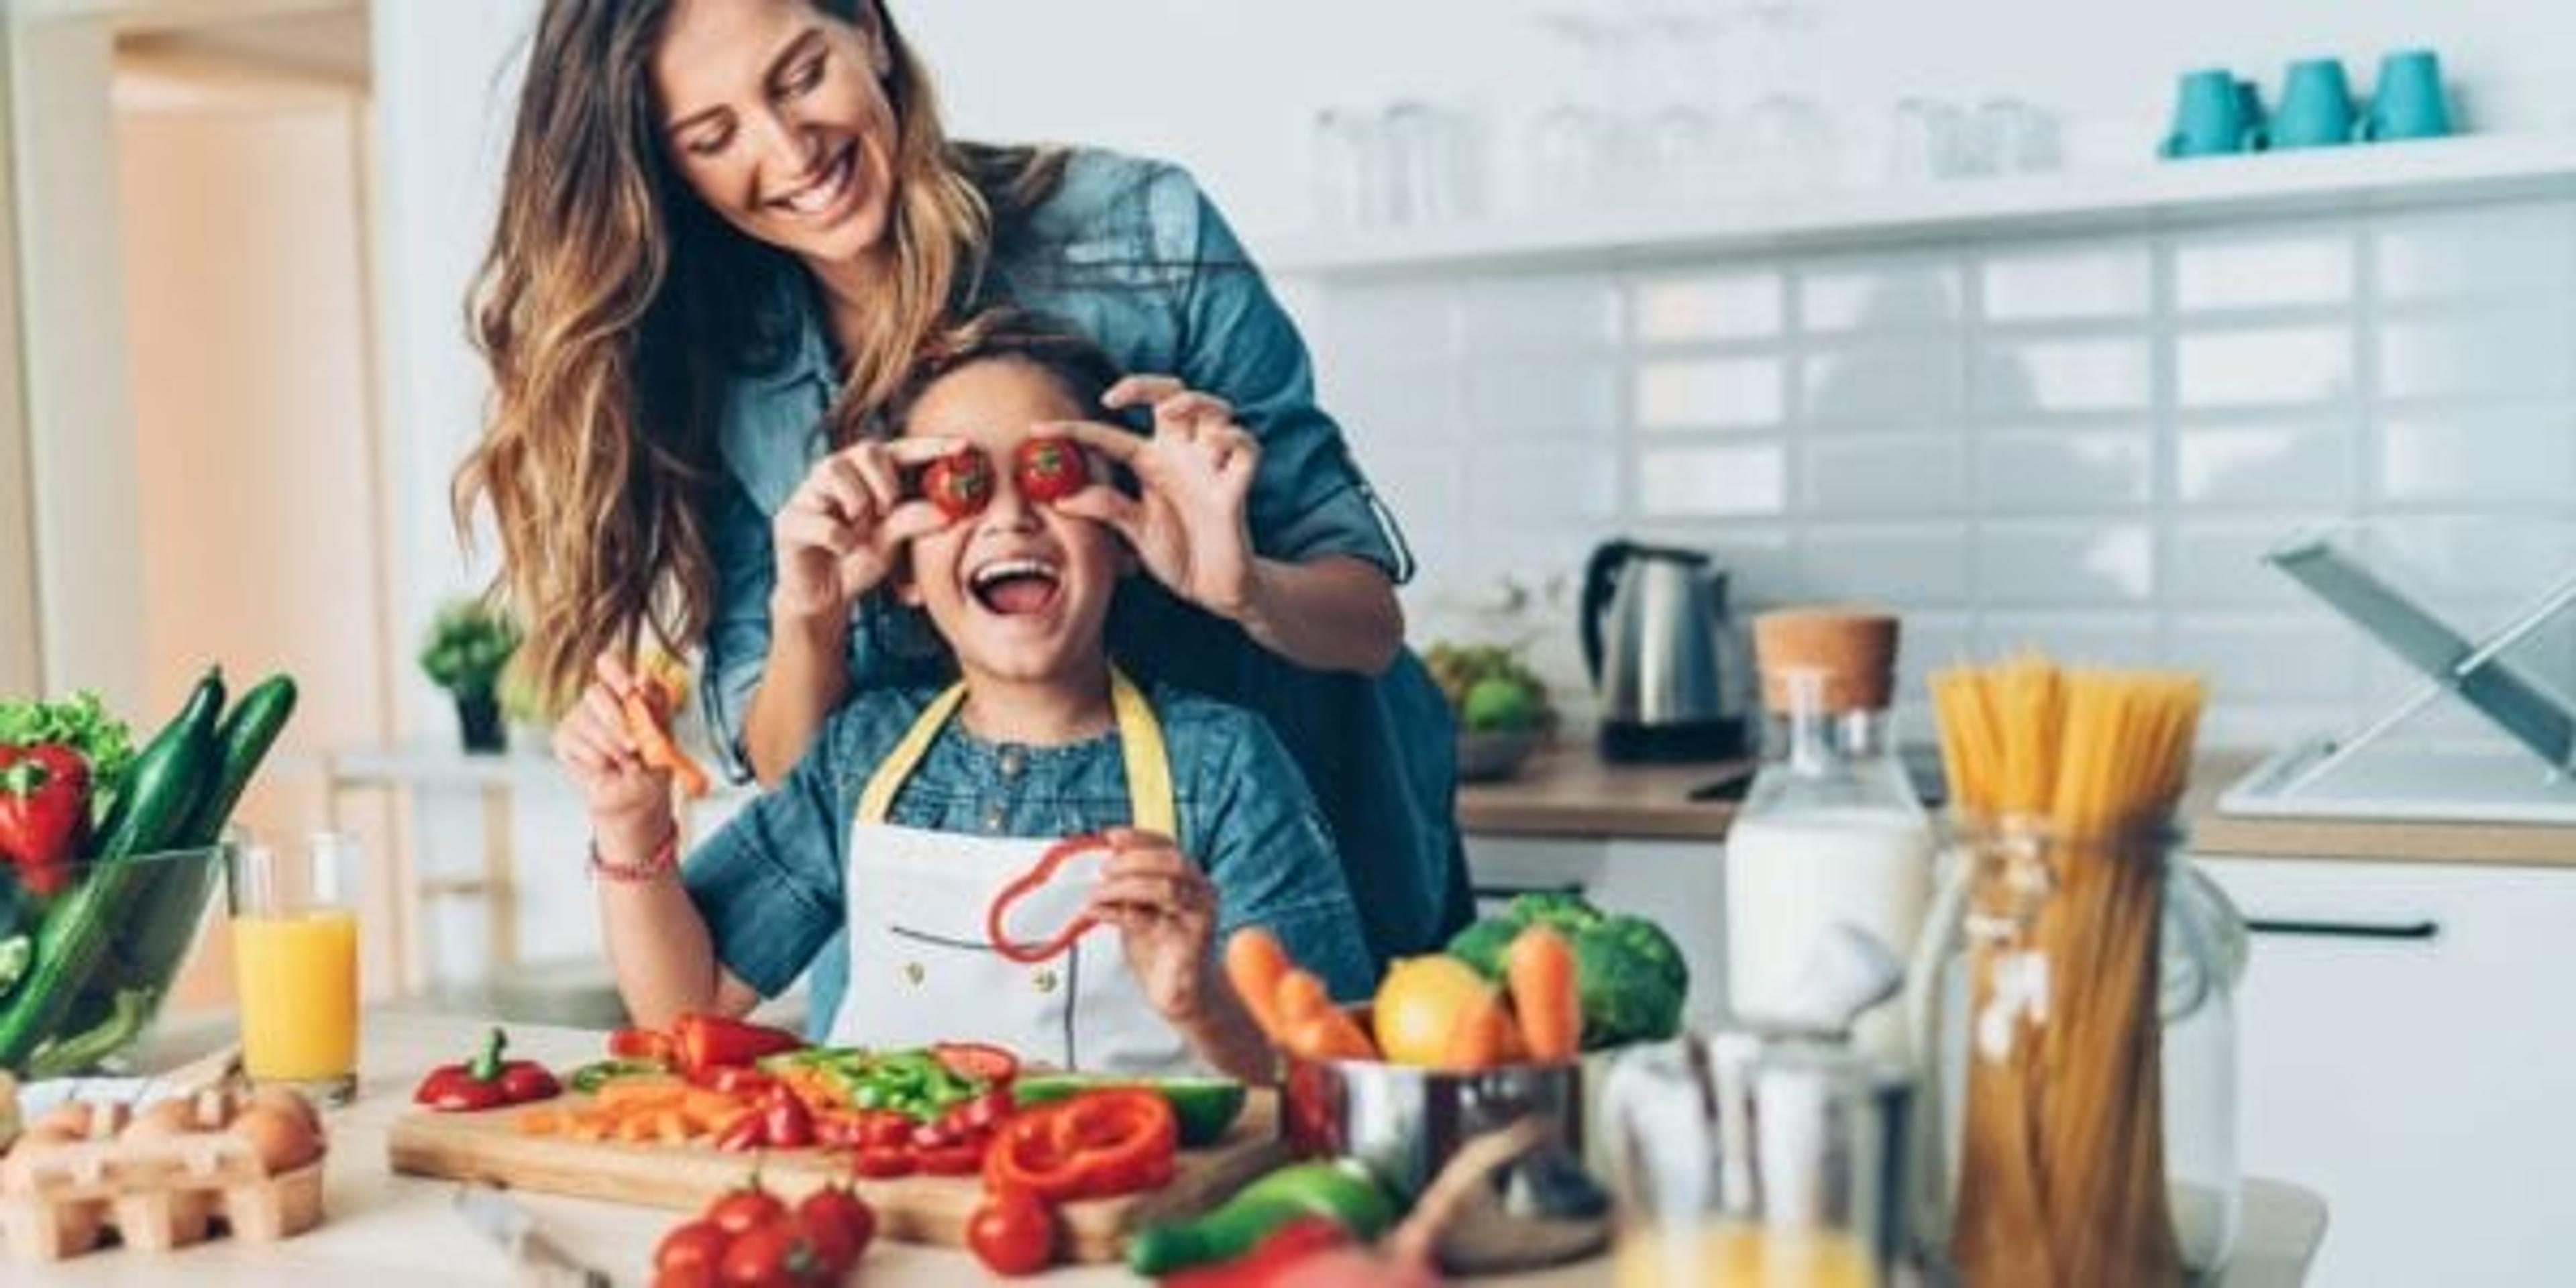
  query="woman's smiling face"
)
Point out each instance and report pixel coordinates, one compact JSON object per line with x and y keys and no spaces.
{"x":776,"y":115}
{"x":1019,"y":590}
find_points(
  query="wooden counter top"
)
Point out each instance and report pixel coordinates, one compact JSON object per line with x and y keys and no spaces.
{"x":1568,"y":791}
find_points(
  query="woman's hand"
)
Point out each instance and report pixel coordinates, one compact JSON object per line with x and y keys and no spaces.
{"x":1189,"y":527}
{"x":839,"y":533}
{"x":1165,"y":912}
{"x":629,"y":801}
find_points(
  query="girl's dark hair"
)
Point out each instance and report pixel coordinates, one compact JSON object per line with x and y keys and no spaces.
{"x":1081,"y":369}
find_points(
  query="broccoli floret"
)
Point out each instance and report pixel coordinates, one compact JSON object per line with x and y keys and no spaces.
{"x":1483,"y":944}
{"x":1567,"y":912}
{"x":1627,"y":995}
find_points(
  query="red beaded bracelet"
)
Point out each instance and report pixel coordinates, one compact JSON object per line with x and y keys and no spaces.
{"x":662,"y":862}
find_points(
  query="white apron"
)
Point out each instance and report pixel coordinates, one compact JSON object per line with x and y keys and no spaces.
{"x":921,"y":967}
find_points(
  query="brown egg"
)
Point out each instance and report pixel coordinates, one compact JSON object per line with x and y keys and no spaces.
{"x":280,"y":1138}
{"x":161,"y":1121}
{"x":281,"y":1098}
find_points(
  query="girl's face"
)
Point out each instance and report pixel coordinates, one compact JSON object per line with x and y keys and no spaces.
{"x":1020,"y":591}
{"x":776,"y":114}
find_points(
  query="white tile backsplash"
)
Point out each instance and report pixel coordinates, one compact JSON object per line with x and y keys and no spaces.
{"x":1884,"y":381}
{"x":1880,"y":293}
{"x":2091,"y":375}
{"x":2263,"y":366}
{"x":2057,"y":471}
{"x":2480,"y":456}
{"x":1713,"y":482}
{"x":1710,"y":393}
{"x":1860,"y":475}
{"x":2068,"y":283}
{"x":2486,"y":251}
{"x":2271,"y":270}
{"x":2086,"y":444}
{"x":1707,"y":307}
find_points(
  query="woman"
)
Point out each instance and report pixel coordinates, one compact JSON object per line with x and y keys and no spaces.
{"x":727,"y":228}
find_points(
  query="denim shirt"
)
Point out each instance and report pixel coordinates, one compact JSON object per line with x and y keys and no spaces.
{"x":1130,"y":252}
{"x":770,"y":882}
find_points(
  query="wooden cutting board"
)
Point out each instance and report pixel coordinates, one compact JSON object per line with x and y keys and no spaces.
{"x":918,"y":1209}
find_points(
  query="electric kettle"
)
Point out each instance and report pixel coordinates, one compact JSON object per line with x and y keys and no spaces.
{"x":1664,"y":659}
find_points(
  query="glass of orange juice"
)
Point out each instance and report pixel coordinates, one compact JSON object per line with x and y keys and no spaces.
{"x":295,"y":964}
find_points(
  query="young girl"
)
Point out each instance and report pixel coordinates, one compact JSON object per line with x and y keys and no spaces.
{"x":917,"y":807}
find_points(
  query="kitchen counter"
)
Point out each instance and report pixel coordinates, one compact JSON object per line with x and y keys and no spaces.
{"x":387,"y":1230}
{"x":1567,"y":791}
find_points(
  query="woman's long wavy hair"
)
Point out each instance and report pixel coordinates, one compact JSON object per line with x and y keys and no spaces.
{"x":614,"y":306}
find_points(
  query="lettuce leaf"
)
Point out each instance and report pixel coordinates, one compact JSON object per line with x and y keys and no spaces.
{"x":81,"y":722}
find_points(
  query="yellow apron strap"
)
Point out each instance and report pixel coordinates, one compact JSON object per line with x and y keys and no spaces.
{"x":1149,"y":762}
{"x":899,"y":763}
{"x":1140,"y":741}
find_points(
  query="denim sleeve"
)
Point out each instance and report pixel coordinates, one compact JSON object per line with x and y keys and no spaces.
{"x":1309,"y":498}
{"x":769,"y":882}
{"x":1273,"y":864}
{"x":737,"y":640}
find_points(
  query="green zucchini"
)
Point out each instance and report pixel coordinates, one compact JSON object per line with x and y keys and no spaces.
{"x":1341,"y":1190}
{"x":1203,"y":1107}
{"x":168,"y":778}
{"x":248,"y":731}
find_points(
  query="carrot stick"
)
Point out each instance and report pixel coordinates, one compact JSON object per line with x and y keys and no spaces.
{"x":1484,"y":1037}
{"x":1540,"y":967}
{"x":644,"y":725}
{"x":1254,"y":964}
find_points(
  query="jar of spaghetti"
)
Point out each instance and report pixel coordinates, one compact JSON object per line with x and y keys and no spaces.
{"x":2074,"y":1004}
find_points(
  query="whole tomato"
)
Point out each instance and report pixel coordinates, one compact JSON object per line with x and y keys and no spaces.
{"x":742,"y":1211}
{"x":1012,"y":1233}
{"x":774,"y":1256}
{"x":839,"y":1225}
{"x":960,"y":483}
{"x":1048,"y":469}
{"x":693,"y":1250}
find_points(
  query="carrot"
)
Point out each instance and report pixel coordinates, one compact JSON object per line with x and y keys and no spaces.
{"x":1483,"y":1038}
{"x":1540,"y":967}
{"x":1314,"y":1028}
{"x":541,"y":1122}
{"x":705,"y":1108}
{"x":644,"y":725}
{"x":649,"y":1091}
{"x":1254,"y":964}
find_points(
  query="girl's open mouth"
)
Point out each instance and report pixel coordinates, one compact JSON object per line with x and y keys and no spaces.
{"x":1015,"y":587}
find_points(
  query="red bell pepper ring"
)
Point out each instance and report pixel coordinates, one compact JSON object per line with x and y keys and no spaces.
{"x":703,"y":1042}
{"x":1028,"y":954}
{"x":1118,"y":1140}
{"x":486,"y":1081}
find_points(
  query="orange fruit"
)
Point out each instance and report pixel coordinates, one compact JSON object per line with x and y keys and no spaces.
{"x":1421,"y":1002}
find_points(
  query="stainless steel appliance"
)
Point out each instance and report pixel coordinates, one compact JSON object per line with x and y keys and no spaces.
{"x":1664,"y":659}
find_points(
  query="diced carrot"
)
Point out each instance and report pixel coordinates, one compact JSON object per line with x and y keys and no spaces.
{"x":587,"y":1125}
{"x":643,"y":1090}
{"x":541,"y":1122}
{"x":705,"y":1108}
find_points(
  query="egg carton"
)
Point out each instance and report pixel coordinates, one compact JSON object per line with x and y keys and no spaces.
{"x":61,"y":1200}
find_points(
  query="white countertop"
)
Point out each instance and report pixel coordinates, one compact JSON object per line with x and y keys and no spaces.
{"x":385,"y":1230}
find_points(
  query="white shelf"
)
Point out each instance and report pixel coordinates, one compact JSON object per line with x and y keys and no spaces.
{"x":2374,"y":176}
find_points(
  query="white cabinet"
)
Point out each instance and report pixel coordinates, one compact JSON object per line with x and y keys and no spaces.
{"x":2408,"y":1050}
{"x":1680,"y":884}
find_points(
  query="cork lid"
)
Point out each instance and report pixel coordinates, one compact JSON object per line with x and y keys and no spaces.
{"x":1853,"y":648}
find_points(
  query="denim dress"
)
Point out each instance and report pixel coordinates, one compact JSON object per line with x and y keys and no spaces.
{"x":1132,"y":254}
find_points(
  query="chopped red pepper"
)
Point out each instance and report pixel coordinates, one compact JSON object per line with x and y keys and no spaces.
{"x":734,"y":1080}
{"x":786,"y":1121}
{"x":1117,"y":1140}
{"x":1269,"y":1260}
{"x":703,"y":1042}
{"x":1028,"y":954}
{"x":977,"y":1061}
{"x":486,"y":1081}
{"x":640,"y":1044}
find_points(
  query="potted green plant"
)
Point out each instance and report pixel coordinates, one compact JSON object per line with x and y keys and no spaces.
{"x":469,"y":643}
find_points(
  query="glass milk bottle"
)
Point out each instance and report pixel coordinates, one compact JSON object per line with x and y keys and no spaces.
{"x":1831,"y":831}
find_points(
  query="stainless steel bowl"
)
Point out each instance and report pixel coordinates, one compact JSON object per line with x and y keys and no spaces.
{"x":1405,"y":1121}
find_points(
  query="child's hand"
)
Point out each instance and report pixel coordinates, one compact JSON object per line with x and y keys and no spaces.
{"x":1189,"y":527}
{"x":838,"y":535}
{"x":1165,"y":912}
{"x":630,"y":802}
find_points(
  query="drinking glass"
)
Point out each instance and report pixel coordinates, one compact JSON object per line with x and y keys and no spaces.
{"x":295,"y":963}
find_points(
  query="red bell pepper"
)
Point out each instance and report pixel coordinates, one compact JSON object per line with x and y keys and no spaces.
{"x":1117,"y":1140}
{"x":1029,"y":954}
{"x":977,"y":1061}
{"x":44,"y":807}
{"x":486,"y":1081}
{"x":703,"y":1042}
{"x":640,"y":1044}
